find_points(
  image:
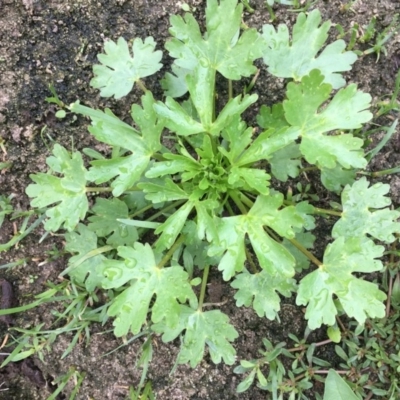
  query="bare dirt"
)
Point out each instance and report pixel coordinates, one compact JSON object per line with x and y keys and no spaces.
{"x":55,"y":42}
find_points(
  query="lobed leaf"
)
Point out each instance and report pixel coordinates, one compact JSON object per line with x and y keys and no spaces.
{"x":169,"y":285}
{"x":109,"y":129}
{"x":260,"y":291}
{"x":362,"y":215}
{"x":69,"y":192}
{"x":222,"y":49}
{"x":286,"y":162}
{"x":272,"y":256}
{"x":105,"y":223}
{"x":85,"y":267}
{"x":298,"y":57}
{"x":119,"y":70}
{"x":347,"y":110}
{"x":209,"y":328}
{"x":341,"y":259}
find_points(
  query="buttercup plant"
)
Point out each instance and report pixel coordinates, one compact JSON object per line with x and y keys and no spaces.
{"x":206,"y":196}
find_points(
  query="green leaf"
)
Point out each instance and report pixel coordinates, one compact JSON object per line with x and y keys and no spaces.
{"x":272,"y":256}
{"x":334,"y":334}
{"x":361,"y":214}
{"x":296,"y":58}
{"x":88,"y":270}
{"x":343,"y":257}
{"x":268,"y":143}
{"x":127,"y":169}
{"x":272,"y":117}
{"x":211,"y":328}
{"x":109,"y":129}
{"x":105,"y":222}
{"x":306,"y":239}
{"x":232,"y":109}
{"x":255,"y":179}
{"x":286,"y":162}
{"x":231,"y":243}
{"x":247,"y":382}
{"x":238,"y":136}
{"x":263,"y":288}
{"x":150,"y":125}
{"x":120,"y":70}
{"x":174,"y":85}
{"x":176,"y":163}
{"x":170,"y":286}
{"x":177,"y":118}
{"x":334,"y":179}
{"x":336,"y":388}
{"x":158,"y":193}
{"x":69,"y":191}
{"x":221,"y":49}
{"x":173,"y":226}
{"x":347,"y":110}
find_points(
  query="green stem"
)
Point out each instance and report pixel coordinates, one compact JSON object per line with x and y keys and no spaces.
{"x":249,"y":203}
{"x":141,"y":211}
{"x":141,"y":85}
{"x":98,"y":189}
{"x":229,"y":208}
{"x":203,"y":287}
{"x":308,"y":254}
{"x":165,"y":209}
{"x":253,"y":82}
{"x":158,"y":157}
{"x":171,"y":252}
{"x":238,"y":202}
{"x":329,"y":212}
{"x":271,"y":12}
{"x":383,"y":172}
{"x":230,"y":89}
{"x":306,"y":169}
{"x":251,"y":262}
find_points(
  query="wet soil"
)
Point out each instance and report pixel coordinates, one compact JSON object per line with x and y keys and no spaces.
{"x":55,"y":42}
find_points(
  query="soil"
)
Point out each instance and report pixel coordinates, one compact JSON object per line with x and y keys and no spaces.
{"x":55,"y":42}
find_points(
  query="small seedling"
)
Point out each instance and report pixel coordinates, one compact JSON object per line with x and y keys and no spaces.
{"x":383,"y":37}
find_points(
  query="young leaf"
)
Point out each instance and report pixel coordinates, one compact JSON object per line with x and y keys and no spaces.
{"x":272,"y":256}
{"x":262,"y":287}
{"x":256,"y":179}
{"x":361,"y":214}
{"x":120,"y":70}
{"x":211,"y":328}
{"x":109,"y":129}
{"x":238,"y":136}
{"x":221,"y":49}
{"x":82,"y":268}
{"x":272,"y":117}
{"x":170,"y":285}
{"x":343,"y":257}
{"x":69,"y":191}
{"x":347,"y":110}
{"x":105,"y":221}
{"x":286,"y":162}
{"x":297,"y":58}
{"x":334,"y":179}
{"x":173,"y":226}
{"x":336,"y":388}
{"x":158,"y":193}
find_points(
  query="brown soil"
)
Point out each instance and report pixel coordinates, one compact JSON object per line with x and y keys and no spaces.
{"x":54,"y":41}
